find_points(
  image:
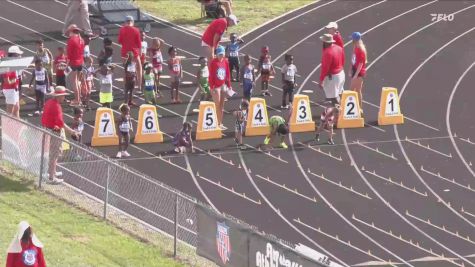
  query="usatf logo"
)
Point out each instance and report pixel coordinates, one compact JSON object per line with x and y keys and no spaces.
{"x":223,"y":244}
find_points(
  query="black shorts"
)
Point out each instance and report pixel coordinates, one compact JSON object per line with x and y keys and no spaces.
{"x":60,"y":80}
{"x":76,"y":68}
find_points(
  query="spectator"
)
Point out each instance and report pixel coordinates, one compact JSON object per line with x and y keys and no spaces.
{"x":130,"y":40}
{"x":212,"y":35}
{"x":53,"y":119}
{"x":332,"y":76}
{"x":11,"y":84}
{"x":75,"y":54}
{"x":78,"y":14}
{"x":358,"y":66}
{"x":25,"y":250}
{"x":221,"y":7}
{"x":220,"y":82}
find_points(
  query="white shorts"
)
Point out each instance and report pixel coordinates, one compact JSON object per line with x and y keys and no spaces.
{"x":12,"y":96}
{"x":334,"y":87}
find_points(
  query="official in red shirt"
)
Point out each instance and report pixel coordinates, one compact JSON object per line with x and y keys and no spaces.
{"x":25,"y":250}
{"x":75,"y":54}
{"x":358,"y":65}
{"x":10,"y":91}
{"x":332,"y":76}
{"x":219,"y":81}
{"x":131,"y":41}
{"x":332,"y":29}
{"x":52,"y":119}
{"x":213,"y":34}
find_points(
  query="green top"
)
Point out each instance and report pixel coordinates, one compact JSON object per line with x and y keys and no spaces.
{"x":275,"y":121}
{"x":203,"y":81}
{"x":149,"y":80}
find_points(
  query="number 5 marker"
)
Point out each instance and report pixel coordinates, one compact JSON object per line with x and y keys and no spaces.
{"x":301,"y":118}
{"x":257,"y":120}
{"x":207,"y":122}
{"x":350,"y":111}
{"x":389,"y":110}
{"x":148,"y":130}
{"x":104,"y":130}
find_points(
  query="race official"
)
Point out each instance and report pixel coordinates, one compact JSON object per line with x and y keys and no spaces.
{"x":332,"y":76}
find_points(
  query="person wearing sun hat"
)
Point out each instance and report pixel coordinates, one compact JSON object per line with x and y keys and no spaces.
{"x":11,"y":84}
{"x":213,"y":34}
{"x":52,"y":119}
{"x":220,"y":81}
{"x":25,"y":250}
{"x":332,"y":28}
{"x":358,"y":66}
{"x":332,"y":75}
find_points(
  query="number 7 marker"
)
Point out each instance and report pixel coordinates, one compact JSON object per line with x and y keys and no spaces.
{"x":104,"y":130}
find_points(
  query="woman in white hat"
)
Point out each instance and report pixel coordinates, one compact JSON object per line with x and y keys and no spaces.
{"x":11,"y":84}
{"x":25,"y":250}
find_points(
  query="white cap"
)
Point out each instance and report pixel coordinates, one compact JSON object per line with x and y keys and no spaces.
{"x":129,"y":18}
{"x":332,"y":24}
{"x":234,"y":19}
{"x":14,"y":50}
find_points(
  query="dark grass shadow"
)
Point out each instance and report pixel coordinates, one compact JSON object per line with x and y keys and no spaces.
{"x":14,"y":185}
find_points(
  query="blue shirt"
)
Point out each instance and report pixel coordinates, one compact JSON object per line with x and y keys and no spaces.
{"x":233,"y":49}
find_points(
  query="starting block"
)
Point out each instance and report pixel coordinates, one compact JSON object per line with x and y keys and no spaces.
{"x":301,"y":118}
{"x":208,"y":127}
{"x":104,"y":130}
{"x":350,"y":111}
{"x":257,"y":119}
{"x":389,"y":109}
{"x":148,"y":130}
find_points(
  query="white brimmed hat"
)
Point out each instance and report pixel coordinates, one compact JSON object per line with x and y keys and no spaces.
{"x":129,"y":18}
{"x":59,"y":91}
{"x":331,"y":25}
{"x":234,"y":19}
{"x":327,"y":38}
{"x":14,"y":50}
{"x":73,"y":27}
{"x":15,"y":245}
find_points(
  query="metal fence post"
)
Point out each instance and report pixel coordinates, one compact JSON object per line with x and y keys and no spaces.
{"x":106,"y":200}
{"x":176,"y":225}
{"x":42,"y":159}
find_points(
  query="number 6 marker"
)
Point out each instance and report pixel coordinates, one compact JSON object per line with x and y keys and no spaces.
{"x":350,"y":111}
{"x":148,"y":130}
{"x":208,"y":122}
{"x":104,"y":129}
{"x":301,"y":118}
{"x":389,"y":111}
{"x":257,"y":119}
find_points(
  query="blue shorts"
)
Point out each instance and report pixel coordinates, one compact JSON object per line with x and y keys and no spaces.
{"x":247,"y":89}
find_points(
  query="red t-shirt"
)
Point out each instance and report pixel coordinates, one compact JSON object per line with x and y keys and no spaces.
{"x":60,"y":60}
{"x":338,"y":39}
{"x":12,"y":75}
{"x":130,"y":40}
{"x":332,"y":61}
{"x":30,"y":256}
{"x":75,"y":50}
{"x":218,"y":26}
{"x":219,"y":73}
{"x":52,"y":114}
{"x":359,"y":57}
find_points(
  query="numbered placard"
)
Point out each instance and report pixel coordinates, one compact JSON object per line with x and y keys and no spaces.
{"x":104,"y":130}
{"x":350,"y":111}
{"x":257,"y":119}
{"x":148,"y":130}
{"x":301,"y":118}
{"x":389,"y":109}
{"x":208,"y":127}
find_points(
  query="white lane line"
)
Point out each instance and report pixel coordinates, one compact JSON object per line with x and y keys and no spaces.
{"x":339,"y":184}
{"x":284,"y":22}
{"x":319,"y":150}
{"x":283,"y":186}
{"x":447,"y":121}
{"x":452,"y":181}
{"x":277,"y":211}
{"x":376,"y":150}
{"x":267,"y":153}
{"x":466,"y":212}
{"x":400,"y":184}
{"x":418,"y":143}
{"x":395,"y":127}
{"x":375,"y":127}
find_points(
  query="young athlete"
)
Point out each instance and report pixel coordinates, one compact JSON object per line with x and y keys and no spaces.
{"x":46,"y":58}
{"x":149,"y":82}
{"x":104,"y":74}
{"x":278,"y":128}
{"x":248,"y":78}
{"x":157,"y":62}
{"x":203,"y":79}
{"x":124,"y":125}
{"x":87,"y":84}
{"x":130,"y":78}
{"x":41,"y":79}
{"x":289,"y":82}
{"x":328,"y":120}
{"x":182,"y":140}
{"x":144,"y":47}
{"x":87,"y":49}
{"x":232,"y":52}
{"x":174,"y":65}
{"x":266,"y":70}
{"x":78,"y":124}
{"x":240,"y":125}
{"x":105,"y":56}
{"x":60,"y":65}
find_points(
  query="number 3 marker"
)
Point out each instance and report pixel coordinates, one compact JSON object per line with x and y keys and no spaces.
{"x":301,"y":118}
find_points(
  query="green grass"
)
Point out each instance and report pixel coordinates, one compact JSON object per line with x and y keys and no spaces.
{"x":70,"y":236}
{"x":251,"y":13}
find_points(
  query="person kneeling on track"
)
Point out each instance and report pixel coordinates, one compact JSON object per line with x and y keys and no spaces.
{"x":182,"y":140}
{"x":328,"y":120}
{"x":278,"y":127}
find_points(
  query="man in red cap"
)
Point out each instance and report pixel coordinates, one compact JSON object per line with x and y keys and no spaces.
{"x":332,"y":76}
{"x":75,"y":52}
{"x":131,"y":41}
{"x":213,"y":34}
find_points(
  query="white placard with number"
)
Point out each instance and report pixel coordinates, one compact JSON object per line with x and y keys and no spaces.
{"x":351,"y":109}
{"x":259,"y":118}
{"x":303,"y":114}
{"x":210,"y":119}
{"x":106,"y":126}
{"x":149,"y":122}
{"x":392,"y":105}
